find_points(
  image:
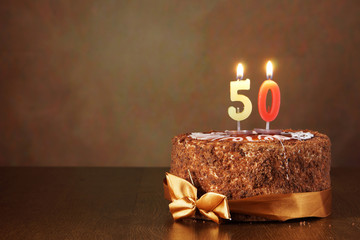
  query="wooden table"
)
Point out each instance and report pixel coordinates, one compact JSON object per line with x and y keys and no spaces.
{"x":128,"y":203}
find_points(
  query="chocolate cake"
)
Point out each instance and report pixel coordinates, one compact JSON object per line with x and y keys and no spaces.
{"x":241,"y":166}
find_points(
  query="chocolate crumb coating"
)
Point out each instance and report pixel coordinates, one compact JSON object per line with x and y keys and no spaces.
{"x":241,"y":169}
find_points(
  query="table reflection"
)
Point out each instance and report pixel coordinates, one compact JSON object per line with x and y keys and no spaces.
{"x":192,"y":229}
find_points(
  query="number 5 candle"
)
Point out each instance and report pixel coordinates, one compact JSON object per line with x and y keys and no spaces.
{"x":235,"y":86}
{"x":267,"y":85}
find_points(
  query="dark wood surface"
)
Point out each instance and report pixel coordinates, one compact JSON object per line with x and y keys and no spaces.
{"x":128,"y":203}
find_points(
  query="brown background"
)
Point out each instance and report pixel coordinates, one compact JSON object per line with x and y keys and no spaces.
{"x":109,"y":83}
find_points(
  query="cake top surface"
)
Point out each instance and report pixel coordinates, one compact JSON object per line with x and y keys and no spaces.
{"x":288,"y":136}
{"x":225,"y":136}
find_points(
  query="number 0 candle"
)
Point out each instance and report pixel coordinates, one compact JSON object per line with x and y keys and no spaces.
{"x":235,"y":86}
{"x":269,"y":85}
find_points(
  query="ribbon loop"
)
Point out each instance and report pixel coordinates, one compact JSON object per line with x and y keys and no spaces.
{"x":214,"y":202}
{"x":180,"y":188}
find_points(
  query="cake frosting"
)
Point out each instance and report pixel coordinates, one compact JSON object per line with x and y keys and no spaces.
{"x":221,"y":136}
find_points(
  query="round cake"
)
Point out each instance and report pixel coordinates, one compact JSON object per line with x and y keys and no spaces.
{"x":241,"y":166}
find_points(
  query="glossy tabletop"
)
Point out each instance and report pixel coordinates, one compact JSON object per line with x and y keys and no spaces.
{"x":128,"y":203}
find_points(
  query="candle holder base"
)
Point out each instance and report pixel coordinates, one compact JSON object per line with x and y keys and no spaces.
{"x":267,"y":131}
{"x":239,"y":132}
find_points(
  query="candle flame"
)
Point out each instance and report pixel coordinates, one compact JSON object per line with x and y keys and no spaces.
{"x":269,"y":70}
{"x":240,"y":71}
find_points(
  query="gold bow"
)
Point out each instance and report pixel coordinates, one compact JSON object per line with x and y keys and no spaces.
{"x":184,"y":201}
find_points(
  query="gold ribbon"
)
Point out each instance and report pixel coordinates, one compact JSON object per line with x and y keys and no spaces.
{"x":184,"y":200}
{"x":279,"y":207}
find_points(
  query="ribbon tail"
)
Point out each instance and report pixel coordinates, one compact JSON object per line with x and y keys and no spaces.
{"x":283,"y":207}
